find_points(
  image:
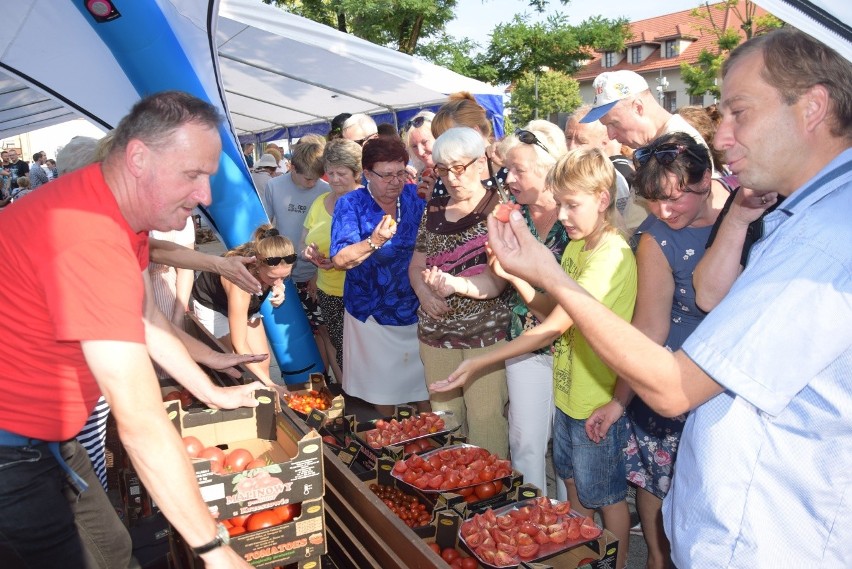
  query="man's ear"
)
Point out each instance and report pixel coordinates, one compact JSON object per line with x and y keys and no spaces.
{"x":136,"y":155}
{"x":816,"y":105}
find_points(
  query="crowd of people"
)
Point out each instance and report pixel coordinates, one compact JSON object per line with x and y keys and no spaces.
{"x":664,"y":305}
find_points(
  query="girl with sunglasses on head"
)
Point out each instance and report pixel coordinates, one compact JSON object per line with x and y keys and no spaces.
{"x":674,"y":176}
{"x":418,"y":138}
{"x":230,"y":313}
{"x":600,"y":260}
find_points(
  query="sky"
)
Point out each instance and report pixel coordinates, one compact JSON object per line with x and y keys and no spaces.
{"x":477,"y":18}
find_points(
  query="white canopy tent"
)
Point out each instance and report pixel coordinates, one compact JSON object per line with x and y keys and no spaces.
{"x":276,"y":71}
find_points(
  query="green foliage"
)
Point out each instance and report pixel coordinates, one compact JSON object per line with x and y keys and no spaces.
{"x":455,"y":55}
{"x":701,"y":78}
{"x":519,"y":47}
{"x":398,"y":24}
{"x":557,"y":92}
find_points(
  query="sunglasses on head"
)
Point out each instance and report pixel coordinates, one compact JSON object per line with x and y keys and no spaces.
{"x":664,"y":154}
{"x":275,"y":261}
{"x":414,"y":123}
{"x":528,"y":137}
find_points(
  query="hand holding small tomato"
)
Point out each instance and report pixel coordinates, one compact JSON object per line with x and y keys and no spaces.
{"x":313,"y":254}
{"x":383,"y":231}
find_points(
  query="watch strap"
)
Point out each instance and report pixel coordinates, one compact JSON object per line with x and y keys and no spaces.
{"x":218,"y":541}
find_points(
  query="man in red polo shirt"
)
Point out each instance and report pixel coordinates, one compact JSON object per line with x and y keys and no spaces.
{"x":82,"y":322}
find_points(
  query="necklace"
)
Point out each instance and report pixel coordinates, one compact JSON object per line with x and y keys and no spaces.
{"x":398,"y":214}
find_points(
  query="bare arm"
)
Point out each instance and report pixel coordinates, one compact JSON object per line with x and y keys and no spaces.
{"x":669,"y":383}
{"x":232,"y":268}
{"x":183,"y":290}
{"x":126,"y":378}
{"x":355,"y":254}
{"x":720,"y":266}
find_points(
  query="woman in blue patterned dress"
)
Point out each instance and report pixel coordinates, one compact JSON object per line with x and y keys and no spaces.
{"x":372,"y":238}
{"x":674,"y":174}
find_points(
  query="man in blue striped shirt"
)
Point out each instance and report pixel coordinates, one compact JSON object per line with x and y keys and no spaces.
{"x":765,"y":463}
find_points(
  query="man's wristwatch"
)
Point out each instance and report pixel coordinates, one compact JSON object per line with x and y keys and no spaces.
{"x":222,"y":538}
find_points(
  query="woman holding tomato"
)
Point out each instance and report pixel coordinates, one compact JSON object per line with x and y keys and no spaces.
{"x":230,"y":313}
{"x":461,"y":315}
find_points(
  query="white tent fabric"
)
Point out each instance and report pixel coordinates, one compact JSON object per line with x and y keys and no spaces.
{"x":277,"y":70}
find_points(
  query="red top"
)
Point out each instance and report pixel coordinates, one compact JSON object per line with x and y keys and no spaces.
{"x":70,"y":270}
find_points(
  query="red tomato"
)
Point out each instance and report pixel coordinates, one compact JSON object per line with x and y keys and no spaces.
{"x":238,"y":459}
{"x":236,"y":530}
{"x":256,"y":463}
{"x":288,"y":512}
{"x":186,"y":399}
{"x":172,"y":396}
{"x":435,"y":547}
{"x":588,"y":529}
{"x":502,"y":211}
{"x":469,"y":563}
{"x":192,"y":445}
{"x":485,"y":490}
{"x":450,"y":554}
{"x":239,"y":521}
{"x":586,"y":561}
{"x":264,"y":519}
{"x":528,"y":551}
{"x":216,"y":457}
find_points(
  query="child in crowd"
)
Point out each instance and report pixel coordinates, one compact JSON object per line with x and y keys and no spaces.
{"x":230,"y":313}
{"x":600,"y":260}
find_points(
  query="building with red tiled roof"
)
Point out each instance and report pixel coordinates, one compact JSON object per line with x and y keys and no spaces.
{"x":659,"y":45}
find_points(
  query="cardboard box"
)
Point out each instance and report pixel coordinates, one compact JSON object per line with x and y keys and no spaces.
{"x":317,"y":417}
{"x":295,"y":470}
{"x":298,"y":542}
{"x":596,"y":554}
{"x":138,"y":504}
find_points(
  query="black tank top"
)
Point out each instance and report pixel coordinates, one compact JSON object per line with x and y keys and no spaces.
{"x":209,"y":292}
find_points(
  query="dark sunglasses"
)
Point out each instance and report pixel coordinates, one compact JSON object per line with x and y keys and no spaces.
{"x":458,"y":169}
{"x":664,"y":154}
{"x":275,"y":261}
{"x":414,"y":123}
{"x":528,"y":137}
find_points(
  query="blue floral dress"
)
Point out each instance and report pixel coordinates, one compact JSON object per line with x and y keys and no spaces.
{"x":653,"y":443}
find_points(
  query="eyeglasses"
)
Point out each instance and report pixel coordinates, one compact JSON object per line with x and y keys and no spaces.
{"x":361,"y":141}
{"x":414,"y":123}
{"x":528,"y":137}
{"x":275,"y":261}
{"x":664,"y":154}
{"x":398,"y":177}
{"x":458,"y":169}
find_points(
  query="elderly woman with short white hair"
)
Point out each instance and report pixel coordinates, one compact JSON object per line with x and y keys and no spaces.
{"x":466,"y":318}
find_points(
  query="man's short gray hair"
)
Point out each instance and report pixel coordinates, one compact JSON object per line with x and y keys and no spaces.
{"x":80,"y":151}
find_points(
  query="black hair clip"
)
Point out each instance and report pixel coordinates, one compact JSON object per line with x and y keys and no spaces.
{"x":270,"y":233}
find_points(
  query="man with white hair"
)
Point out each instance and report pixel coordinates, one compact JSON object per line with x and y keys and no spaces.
{"x":631,"y":114}
{"x":360,"y":128}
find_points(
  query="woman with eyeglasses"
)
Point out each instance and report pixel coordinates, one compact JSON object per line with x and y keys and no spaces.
{"x":342,"y":160}
{"x":461,"y":313}
{"x":231,"y":314}
{"x":674,"y":175}
{"x":418,"y":138}
{"x":462,"y":110}
{"x":372,"y":238}
{"x":529,"y":155}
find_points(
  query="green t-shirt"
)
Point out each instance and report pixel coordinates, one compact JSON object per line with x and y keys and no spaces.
{"x":582,"y":382}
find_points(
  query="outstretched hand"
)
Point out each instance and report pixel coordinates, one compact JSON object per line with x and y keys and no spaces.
{"x":518,"y":252}
{"x":313,"y":254}
{"x":456,"y":379}
{"x":234,"y":269}
{"x":234,"y":397}
{"x":227,"y":363}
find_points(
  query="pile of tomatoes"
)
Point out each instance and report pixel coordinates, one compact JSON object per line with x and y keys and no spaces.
{"x":393,"y":431}
{"x":467,"y":470}
{"x":183,"y":395}
{"x":263,"y":519}
{"x":309,"y":400}
{"x":454,"y":558}
{"x":408,"y":508}
{"x":235,"y":460}
{"x":535,"y":528}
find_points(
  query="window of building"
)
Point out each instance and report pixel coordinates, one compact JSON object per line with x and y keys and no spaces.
{"x":609,"y":59}
{"x":670,"y":49}
{"x":696,"y":100}
{"x":670,"y":101}
{"x":636,"y":54}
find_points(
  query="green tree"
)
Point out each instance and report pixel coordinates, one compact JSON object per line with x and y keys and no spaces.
{"x":557,"y":92}
{"x":456,"y":55}
{"x":520,"y":47}
{"x":399,"y":24}
{"x":701,"y":78}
